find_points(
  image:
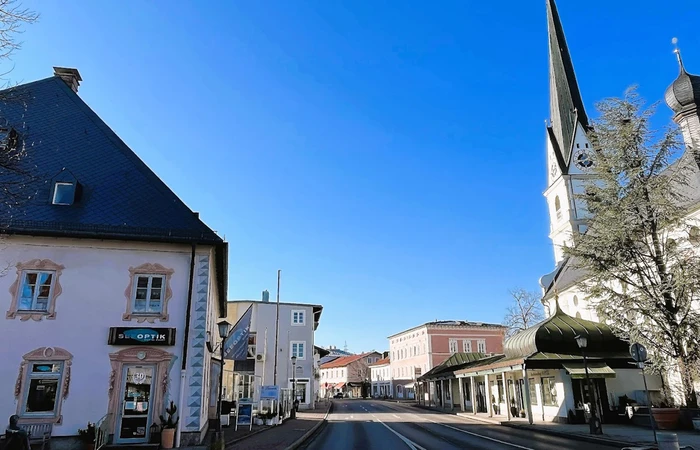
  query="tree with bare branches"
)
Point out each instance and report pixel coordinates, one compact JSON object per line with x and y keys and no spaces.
{"x":525,"y":311}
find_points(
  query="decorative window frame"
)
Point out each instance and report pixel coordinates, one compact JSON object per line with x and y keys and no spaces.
{"x":481,"y":343}
{"x":43,"y":354}
{"x":148,"y":269}
{"x":38,"y":265}
{"x":303,"y":316}
{"x":145,"y":355}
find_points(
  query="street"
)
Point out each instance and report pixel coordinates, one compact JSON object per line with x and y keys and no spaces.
{"x":371,"y":424}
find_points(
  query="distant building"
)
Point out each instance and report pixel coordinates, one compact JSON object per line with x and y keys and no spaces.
{"x":415,"y":351}
{"x":334,"y":353}
{"x":347,"y":374}
{"x":297,"y":325}
{"x":380,"y":374}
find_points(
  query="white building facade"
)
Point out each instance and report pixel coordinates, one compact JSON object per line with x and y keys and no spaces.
{"x":297,"y":325}
{"x":381,"y":378}
{"x":111,"y":284}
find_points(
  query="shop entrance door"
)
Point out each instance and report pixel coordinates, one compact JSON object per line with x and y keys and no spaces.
{"x":136,"y":408}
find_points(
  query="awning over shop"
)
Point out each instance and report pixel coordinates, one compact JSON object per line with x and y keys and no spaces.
{"x":596,"y":369}
{"x":340,"y":385}
{"x":409,"y":385}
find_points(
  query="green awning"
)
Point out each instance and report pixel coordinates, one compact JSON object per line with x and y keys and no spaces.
{"x":596,"y":369}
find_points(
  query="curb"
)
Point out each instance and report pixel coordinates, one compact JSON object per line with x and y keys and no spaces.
{"x":311,"y":432}
{"x":243,"y":438}
{"x":574,"y":436}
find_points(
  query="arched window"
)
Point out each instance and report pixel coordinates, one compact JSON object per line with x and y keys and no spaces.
{"x":695,"y":235}
{"x":578,"y":315}
{"x":557,"y":207}
{"x":575,"y":300}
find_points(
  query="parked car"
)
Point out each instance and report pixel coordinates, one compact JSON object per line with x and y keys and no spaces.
{"x":338,"y":395}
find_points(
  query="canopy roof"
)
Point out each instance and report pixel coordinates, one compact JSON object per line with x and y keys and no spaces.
{"x":557,"y":335}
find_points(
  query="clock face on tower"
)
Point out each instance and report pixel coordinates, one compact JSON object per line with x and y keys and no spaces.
{"x":583,"y":159}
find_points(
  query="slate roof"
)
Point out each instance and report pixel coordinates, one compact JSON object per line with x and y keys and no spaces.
{"x":118,"y":196}
{"x":565,"y":97}
{"x":65,"y":140}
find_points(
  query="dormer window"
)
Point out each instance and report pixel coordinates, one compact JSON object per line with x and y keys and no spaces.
{"x":63,"y":193}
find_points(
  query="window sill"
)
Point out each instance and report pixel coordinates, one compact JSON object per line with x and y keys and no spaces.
{"x":37,"y":316}
{"x":298,"y":324}
{"x":145,"y":317}
{"x":29,"y":419}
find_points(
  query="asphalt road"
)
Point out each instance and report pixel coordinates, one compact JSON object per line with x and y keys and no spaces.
{"x":371,"y":424}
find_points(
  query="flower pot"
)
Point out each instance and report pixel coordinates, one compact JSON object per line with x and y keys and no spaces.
{"x":666,"y":418}
{"x":167,"y":438}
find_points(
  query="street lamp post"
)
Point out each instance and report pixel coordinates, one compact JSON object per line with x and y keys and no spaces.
{"x":294,"y":386}
{"x":594,"y":423}
{"x":224,"y":330}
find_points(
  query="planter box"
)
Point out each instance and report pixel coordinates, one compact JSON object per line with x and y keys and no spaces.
{"x":666,"y":418}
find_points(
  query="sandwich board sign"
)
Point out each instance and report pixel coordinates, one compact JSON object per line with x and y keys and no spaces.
{"x":244,"y":415}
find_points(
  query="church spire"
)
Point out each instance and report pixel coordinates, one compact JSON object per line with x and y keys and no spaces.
{"x":565,"y":104}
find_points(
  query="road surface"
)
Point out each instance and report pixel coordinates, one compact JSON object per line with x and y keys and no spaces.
{"x":371,"y":424}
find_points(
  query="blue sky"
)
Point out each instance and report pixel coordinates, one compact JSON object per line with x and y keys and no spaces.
{"x":389,"y":157}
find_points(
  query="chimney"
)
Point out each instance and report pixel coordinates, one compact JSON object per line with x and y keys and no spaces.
{"x":385,"y":355}
{"x":70,"y":76}
{"x":265,"y":296}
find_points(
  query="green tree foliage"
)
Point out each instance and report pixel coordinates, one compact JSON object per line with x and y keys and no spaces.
{"x":639,"y":248}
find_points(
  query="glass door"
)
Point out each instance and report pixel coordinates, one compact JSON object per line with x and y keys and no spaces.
{"x":135,"y":413}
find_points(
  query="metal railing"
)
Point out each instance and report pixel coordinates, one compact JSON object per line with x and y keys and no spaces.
{"x":102,"y":431}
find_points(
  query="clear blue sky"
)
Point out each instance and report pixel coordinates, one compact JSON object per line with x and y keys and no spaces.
{"x":389,"y":157}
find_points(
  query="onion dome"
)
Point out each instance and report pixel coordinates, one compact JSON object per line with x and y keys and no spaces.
{"x":684,"y":92}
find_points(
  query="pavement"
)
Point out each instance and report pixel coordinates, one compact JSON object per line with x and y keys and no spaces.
{"x":280,"y":437}
{"x":383,"y":425}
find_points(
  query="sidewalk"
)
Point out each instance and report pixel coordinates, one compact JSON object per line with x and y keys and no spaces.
{"x":282,"y":436}
{"x":614,"y":434}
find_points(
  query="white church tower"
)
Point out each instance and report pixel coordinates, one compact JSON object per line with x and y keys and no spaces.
{"x":570,"y":156}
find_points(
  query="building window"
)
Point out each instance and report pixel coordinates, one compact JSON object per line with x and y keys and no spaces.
{"x":63,"y":193}
{"x":42,"y":384}
{"x":575,"y":300}
{"x":35,"y":290}
{"x":578,"y":315}
{"x":298,"y":349}
{"x":418,"y":372}
{"x":252,"y":343}
{"x":467,"y":346}
{"x":298,"y":318}
{"x":453,"y":345}
{"x":557,"y":207}
{"x":549,"y":391}
{"x":481,"y":346}
{"x":148,"y":293}
{"x":533,"y":391}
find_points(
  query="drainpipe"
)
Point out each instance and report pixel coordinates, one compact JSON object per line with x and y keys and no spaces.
{"x":186,"y":338}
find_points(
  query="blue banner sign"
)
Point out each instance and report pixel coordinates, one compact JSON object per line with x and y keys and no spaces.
{"x":236,"y":344}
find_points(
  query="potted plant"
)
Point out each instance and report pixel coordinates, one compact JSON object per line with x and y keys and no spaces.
{"x":665,"y":414}
{"x":522,"y":413}
{"x":168,"y":426}
{"x":87,"y":436}
{"x":259,"y":418}
{"x":269,"y":418}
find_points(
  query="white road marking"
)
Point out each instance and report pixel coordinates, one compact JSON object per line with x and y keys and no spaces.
{"x":396,"y":416}
{"x":412,"y":445}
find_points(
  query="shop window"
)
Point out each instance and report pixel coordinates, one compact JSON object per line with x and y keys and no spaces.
{"x":533,"y":391}
{"x":42,"y":384}
{"x":35,"y":290}
{"x":148,"y":293}
{"x":549,"y":391}
{"x":298,"y":318}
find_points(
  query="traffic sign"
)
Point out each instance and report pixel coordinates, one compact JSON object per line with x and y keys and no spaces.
{"x":638,"y":352}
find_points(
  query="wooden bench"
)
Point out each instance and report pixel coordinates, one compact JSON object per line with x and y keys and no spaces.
{"x":39,"y":433}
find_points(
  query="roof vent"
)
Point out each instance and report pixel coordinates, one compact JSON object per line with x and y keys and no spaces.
{"x":70,"y":76}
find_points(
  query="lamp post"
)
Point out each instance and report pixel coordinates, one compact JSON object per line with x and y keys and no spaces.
{"x":294,"y":386}
{"x":594,"y":423}
{"x":224,"y":330}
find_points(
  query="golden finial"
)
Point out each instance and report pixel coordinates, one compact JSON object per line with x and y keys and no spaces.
{"x":677,"y":51}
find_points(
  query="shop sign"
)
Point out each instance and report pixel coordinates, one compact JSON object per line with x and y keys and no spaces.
{"x":270,"y":392}
{"x":141,"y":336}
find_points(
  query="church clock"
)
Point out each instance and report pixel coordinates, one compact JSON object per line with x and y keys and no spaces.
{"x":583,"y":159}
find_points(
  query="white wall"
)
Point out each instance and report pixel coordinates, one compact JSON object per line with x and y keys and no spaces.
{"x":94,"y":279}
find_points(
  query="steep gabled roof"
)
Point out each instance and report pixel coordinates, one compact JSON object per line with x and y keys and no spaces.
{"x":120,"y":197}
{"x":565,"y":103}
{"x":116,"y":195}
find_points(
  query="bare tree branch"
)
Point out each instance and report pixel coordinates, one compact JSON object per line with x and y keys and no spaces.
{"x":525,"y":311}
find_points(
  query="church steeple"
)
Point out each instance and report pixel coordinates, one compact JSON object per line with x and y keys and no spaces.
{"x":565,"y":104}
